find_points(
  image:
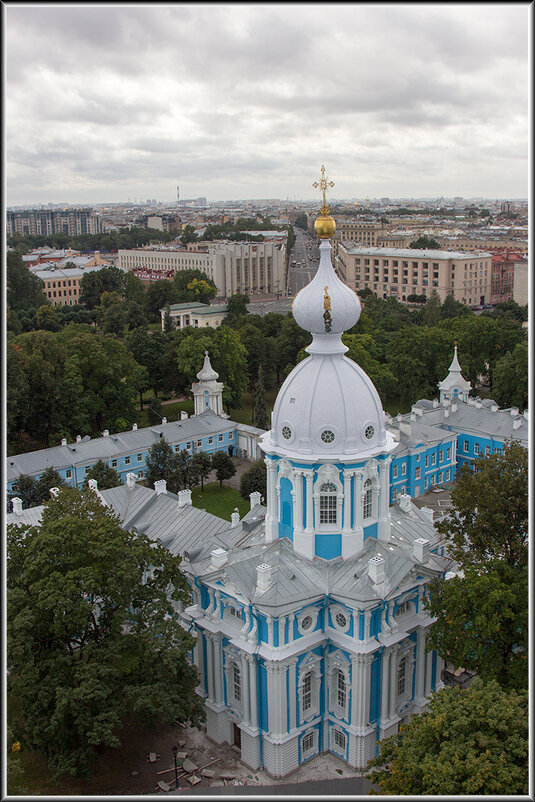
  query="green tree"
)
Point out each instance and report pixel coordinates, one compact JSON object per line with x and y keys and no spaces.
{"x":14,"y":770}
{"x":26,"y":490}
{"x":168,"y":322}
{"x":201,"y":290}
{"x":469,"y":742}
{"x":237,"y":307}
{"x":200,"y":467}
{"x":425,"y":243}
{"x":482,"y":619}
{"x":188,"y":235}
{"x":159,"y":293}
{"x":162,"y":463}
{"x":104,"y":474}
{"x":93,"y":639}
{"x":47,"y":318}
{"x":23,"y":287}
{"x":260,"y":416}
{"x":511,"y":377}
{"x":431,"y":312}
{"x":254,"y":480}
{"x":193,"y":285}
{"x":301,"y":221}
{"x":223,"y":465}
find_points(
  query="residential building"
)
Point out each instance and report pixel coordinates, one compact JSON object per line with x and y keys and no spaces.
{"x":197,"y":315}
{"x":53,"y":221}
{"x":63,"y":285}
{"x":520,"y":282}
{"x":251,"y":269}
{"x":400,"y":272}
{"x":503,"y":261}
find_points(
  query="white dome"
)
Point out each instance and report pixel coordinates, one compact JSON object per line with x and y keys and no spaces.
{"x":328,"y":408}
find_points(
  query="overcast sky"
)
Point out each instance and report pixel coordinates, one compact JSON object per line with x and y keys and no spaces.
{"x":106,"y":103}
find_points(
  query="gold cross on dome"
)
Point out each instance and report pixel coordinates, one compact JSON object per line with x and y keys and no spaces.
{"x":323,"y":185}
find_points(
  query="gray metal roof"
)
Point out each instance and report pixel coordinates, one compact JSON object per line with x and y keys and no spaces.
{"x":421,"y":434}
{"x":119,"y":444}
{"x":415,"y":253}
{"x":478,"y":419}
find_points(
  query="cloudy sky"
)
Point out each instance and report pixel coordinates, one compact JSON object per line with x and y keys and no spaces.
{"x":106,"y":103}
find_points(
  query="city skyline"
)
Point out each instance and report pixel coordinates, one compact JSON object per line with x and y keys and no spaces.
{"x":248,"y":101}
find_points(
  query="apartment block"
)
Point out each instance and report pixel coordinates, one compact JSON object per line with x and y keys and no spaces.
{"x":401,"y":272}
{"x":53,"y":221}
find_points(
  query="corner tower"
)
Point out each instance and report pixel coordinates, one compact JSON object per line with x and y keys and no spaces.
{"x":328,"y":452}
{"x":454,"y":385}
{"x":207,"y":392}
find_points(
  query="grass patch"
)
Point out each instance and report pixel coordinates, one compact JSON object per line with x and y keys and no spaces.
{"x":245,"y":413}
{"x":219,"y":501}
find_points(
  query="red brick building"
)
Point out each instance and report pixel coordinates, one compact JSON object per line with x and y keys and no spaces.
{"x":503,"y":261}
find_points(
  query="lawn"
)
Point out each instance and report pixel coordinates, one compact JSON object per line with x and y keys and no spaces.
{"x":245,"y":413}
{"x":219,"y":501}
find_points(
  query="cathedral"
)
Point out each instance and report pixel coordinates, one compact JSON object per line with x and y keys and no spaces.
{"x":310,"y":620}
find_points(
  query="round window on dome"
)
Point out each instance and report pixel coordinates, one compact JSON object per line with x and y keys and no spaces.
{"x":286,"y":432}
{"x":306,"y":623}
{"x":369,"y":432}
{"x":327,"y":436}
{"x":341,"y":620}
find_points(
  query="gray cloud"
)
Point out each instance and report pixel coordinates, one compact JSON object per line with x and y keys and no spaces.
{"x":249,"y":100}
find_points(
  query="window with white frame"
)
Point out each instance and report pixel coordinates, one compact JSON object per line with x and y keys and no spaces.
{"x":403,"y":608}
{"x":440,"y":478}
{"x":476,"y":448}
{"x":210,"y":441}
{"x":465,"y":446}
{"x":308,"y":742}
{"x":236,"y":682}
{"x":306,"y":699}
{"x":127,"y":460}
{"x":368,"y":499}
{"x":140,"y":457}
{"x":140,"y":474}
{"x":114,"y":463}
{"x":328,"y":503}
{"x":68,"y":474}
{"x":394,"y":493}
{"x":448,"y":453}
{"x":487,"y":451}
{"x":402,"y":672}
{"x":427,"y":461}
{"x":447,"y":476}
{"x":341,"y":689}
{"x":433,"y":459}
{"x":417,"y":473}
{"x":220,"y":438}
{"x":404,"y":469}
{"x":339,"y":739}
{"x":395,"y":472}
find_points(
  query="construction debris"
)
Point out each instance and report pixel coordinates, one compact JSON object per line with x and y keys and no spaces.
{"x":194,"y":780}
{"x":207,"y":773}
{"x":153,"y":757}
{"x":163,"y":786}
{"x":189,"y":766}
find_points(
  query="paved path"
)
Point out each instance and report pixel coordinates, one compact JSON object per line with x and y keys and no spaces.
{"x":349,"y":787}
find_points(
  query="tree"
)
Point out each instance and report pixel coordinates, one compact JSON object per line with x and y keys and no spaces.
{"x":193,"y":285}
{"x":159,"y":293}
{"x":425,"y":243}
{"x":47,"y":318}
{"x":223,"y":466}
{"x":260,"y":416}
{"x":254,"y":480}
{"x":93,"y":639}
{"x":24,"y":289}
{"x":200,"y":467}
{"x":236,"y":306}
{"x":301,"y":221}
{"x":482,"y":618}
{"x":105,"y":475}
{"x":161,"y":463}
{"x":49,"y":478}
{"x":469,"y":742}
{"x":26,"y":490}
{"x":431,"y":312}
{"x":511,"y":377}
{"x":188,"y":235}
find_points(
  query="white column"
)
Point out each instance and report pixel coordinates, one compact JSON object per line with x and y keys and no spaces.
{"x":292,"y":693}
{"x":420,"y":665}
{"x":276,"y":698}
{"x":367,"y":623}
{"x":361,"y":712}
{"x":385,"y":669}
{"x":253,"y":701}
{"x":393,"y":681}
{"x":347,"y":501}
{"x":270,"y":629}
{"x":246,"y":701}
{"x":428,"y":672}
{"x":200,"y":666}
{"x":271,"y":501}
{"x":310,"y":509}
{"x":218,"y":689}
{"x":383,"y":514}
{"x":291,"y":620}
{"x":210,"y":667}
{"x":297,"y":495}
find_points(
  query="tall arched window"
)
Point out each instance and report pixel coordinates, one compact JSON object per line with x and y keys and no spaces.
{"x":341,"y":689}
{"x":327,"y":503}
{"x":367,"y":503}
{"x":402,"y":672}
{"x":307,"y":692}
{"x":236,"y":682}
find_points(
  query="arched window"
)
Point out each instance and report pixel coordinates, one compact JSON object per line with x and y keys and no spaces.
{"x":402,"y":672}
{"x":327,"y":503}
{"x":236,"y":682}
{"x":367,"y":503}
{"x":341,"y":689}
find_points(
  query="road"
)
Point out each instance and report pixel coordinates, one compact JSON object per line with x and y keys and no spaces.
{"x":306,"y":254}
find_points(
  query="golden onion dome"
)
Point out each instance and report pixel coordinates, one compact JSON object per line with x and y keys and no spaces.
{"x":325,"y":226}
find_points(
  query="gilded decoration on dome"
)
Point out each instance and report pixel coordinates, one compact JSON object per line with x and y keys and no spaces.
{"x":327,"y":313}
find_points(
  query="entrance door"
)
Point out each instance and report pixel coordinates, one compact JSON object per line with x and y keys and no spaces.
{"x":237,"y":736}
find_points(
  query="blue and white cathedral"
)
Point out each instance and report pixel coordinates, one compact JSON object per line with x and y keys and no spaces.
{"x":310,"y":623}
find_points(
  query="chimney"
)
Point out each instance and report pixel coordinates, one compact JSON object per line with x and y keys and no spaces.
{"x":454,"y":406}
{"x":254,"y":499}
{"x":420,"y":550}
{"x":183,"y":415}
{"x":446,"y":413}
{"x":405,"y":502}
{"x":164,"y":420}
{"x":517,"y":422}
{"x":514,"y":411}
{"x":219,"y":558}
{"x":134,"y":427}
{"x":494,"y":407}
{"x":235,"y":518}
{"x":263,"y":576}
{"x":376,"y":569}
{"x":63,"y":441}
{"x":17,"y":505}
{"x":479,"y":403}
{"x":93,"y":485}
{"x":525,"y":414}
{"x":131,"y":480}
{"x":106,"y":433}
{"x":184,"y":498}
{"x":53,"y":492}
{"x":405,"y":427}
{"x":435,"y":403}
{"x":428,"y":512}
{"x":78,"y":438}
{"x":160,"y":486}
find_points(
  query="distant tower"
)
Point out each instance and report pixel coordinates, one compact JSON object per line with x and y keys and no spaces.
{"x":208,"y":392}
{"x":454,"y":385}
{"x":178,"y":194}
